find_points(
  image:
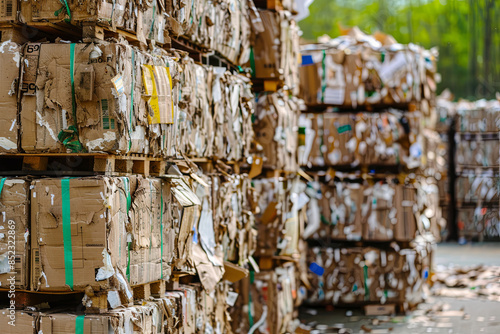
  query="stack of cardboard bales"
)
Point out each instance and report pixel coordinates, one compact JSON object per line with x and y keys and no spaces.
{"x":150,"y":250}
{"x":369,"y":216}
{"x":477,"y":182}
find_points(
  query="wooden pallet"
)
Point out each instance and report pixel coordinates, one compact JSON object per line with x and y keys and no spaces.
{"x":81,"y":164}
{"x":25,"y":298}
{"x":99,"y":300}
{"x":270,"y":262}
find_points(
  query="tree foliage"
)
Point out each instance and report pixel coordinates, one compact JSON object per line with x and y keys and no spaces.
{"x":467,"y":33}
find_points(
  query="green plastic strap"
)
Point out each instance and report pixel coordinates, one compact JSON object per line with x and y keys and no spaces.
{"x":2,"y":182}
{"x":161,"y":230}
{"x":65,"y":5}
{"x":252,"y":62}
{"x":131,"y":101}
{"x":66,"y":217}
{"x":79,"y":324}
{"x":250,"y":317}
{"x":323,"y":79}
{"x":367,"y":291}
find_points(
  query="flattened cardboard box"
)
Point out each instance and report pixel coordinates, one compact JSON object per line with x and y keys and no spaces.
{"x":84,"y":228}
{"x":10,"y":56}
{"x":15,"y":233}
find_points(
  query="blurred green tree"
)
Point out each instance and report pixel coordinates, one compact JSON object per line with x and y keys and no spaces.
{"x":467,"y":33}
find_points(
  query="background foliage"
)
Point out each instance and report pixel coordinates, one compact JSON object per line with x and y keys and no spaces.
{"x":467,"y":33}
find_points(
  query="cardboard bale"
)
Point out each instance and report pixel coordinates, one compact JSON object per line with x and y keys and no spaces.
{"x":405,"y":201}
{"x":172,"y":305}
{"x":233,"y":218}
{"x":147,"y":21}
{"x":278,"y":220}
{"x":343,"y":276}
{"x":9,"y":65}
{"x":339,"y":212}
{"x":478,"y":153}
{"x":182,"y":209}
{"x":275,"y":125}
{"x":98,"y":107}
{"x":311,"y":144}
{"x":271,"y":297}
{"x":17,"y":322}
{"x":478,"y":188}
{"x":379,"y":216}
{"x":15,"y":236}
{"x":115,"y":224}
{"x":339,"y":139}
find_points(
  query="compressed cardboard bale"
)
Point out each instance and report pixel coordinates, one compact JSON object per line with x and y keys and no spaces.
{"x":357,"y":70}
{"x":98,"y":107}
{"x":9,"y":65}
{"x":232,"y":111}
{"x":147,"y":21}
{"x":182,"y":210}
{"x":189,"y":309}
{"x":278,"y":221}
{"x":172,"y":304}
{"x":275,"y":124}
{"x":15,"y":236}
{"x":101,"y":220}
{"x":344,"y":276}
{"x":405,"y":201}
{"x":17,"y":322}
{"x":233,"y":218}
